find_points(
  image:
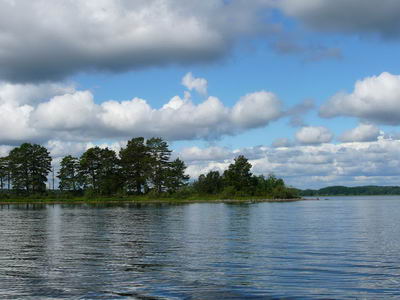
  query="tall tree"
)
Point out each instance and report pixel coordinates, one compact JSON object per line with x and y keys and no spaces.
{"x":4,"y":171}
{"x":238,"y":174}
{"x":176,"y":177}
{"x":98,"y":169}
{"x":159,"y":155}
{"x":69,"y":173}
{"x":29,"y":164}
{"x":135,"y":165}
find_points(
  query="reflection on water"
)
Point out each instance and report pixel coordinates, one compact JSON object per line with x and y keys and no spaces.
{"x":338,"y":248}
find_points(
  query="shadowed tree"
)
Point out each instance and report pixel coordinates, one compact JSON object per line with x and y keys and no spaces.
{"x":29,"y":164}
{"x":176,"y":177}
{"x":69,"y":174}
{"x":4,"y":172}
{"x":238,"y":174}
{"x":211,"y":183}
{"x":98,"y":170}
{"x":135,"y":165}
{"x":159,"y":155}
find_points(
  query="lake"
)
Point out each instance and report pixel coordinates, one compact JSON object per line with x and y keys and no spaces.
{"x":336,"y":248}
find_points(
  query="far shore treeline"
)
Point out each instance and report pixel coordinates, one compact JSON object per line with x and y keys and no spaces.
{"x":142,"y":168}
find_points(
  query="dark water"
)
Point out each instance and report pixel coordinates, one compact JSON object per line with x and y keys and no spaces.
{"x":338,"y":248}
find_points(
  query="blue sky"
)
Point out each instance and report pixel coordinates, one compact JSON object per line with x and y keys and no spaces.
{"x":295,"y":85}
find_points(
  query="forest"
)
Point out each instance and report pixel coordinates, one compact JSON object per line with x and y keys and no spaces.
{"x":368,"y":190}
{"x":142,"y":168}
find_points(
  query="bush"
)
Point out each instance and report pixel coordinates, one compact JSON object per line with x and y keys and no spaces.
{"x":228,"y":192}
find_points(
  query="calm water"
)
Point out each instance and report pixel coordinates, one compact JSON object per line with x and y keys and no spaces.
{"x":337,"y":248}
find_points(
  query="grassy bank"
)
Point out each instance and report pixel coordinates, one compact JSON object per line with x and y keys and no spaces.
{"x":141,"y":200}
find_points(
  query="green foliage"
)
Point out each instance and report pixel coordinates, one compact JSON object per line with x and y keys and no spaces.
{"x":238,"y":175}
{"x":4,"y":172}
{"x":29,"y":164}
{"x":69,"y":174}
{"x":159,"y":155}
{"x":352,"y":191}
{"x":212,"y":183}
{"x":237,"y":181}
{"x":175,"y":176}
{"x":99,"y":170}
{"x":143,"y":167}
{"x":228,"y":192}
{"x":135,"y":164}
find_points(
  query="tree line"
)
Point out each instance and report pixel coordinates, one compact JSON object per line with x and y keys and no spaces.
{"x":368,"y":190}
{"x":143,"y":167}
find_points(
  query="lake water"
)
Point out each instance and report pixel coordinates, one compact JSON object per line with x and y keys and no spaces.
{"x":336,"y":248}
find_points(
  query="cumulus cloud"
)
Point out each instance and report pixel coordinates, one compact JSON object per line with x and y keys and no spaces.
{"x":193,"y":83}
{"x":75,"y":116}
{"x":65,"y":37}
{"x":314,"y":166}
{"x":256,"y":109}
{"x":362,"y":133}
{"x":374,"y":99}
{"x":353,"y":16}
{"x":311,"y":135}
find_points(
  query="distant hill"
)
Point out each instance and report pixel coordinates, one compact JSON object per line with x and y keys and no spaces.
{"x":368,"y":190}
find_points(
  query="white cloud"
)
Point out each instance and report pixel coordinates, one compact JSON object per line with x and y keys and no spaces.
{"x":374,"y":99}
{"x":66,"y":112}
{"x":75,"y":116}
{"x":256,"y":109}
{"x":31,"y":93}
{"x":69,"y":36}
{"x":354,"y":163}
{"x":311,"y":135}
{"x":192,"y":83}
{"x":362,"y":133}
{"x":196,"y":154}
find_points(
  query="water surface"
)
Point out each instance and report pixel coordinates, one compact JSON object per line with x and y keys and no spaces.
{"x":336,"y":248}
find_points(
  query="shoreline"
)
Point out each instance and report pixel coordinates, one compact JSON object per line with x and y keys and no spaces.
{"x":149,"y":201}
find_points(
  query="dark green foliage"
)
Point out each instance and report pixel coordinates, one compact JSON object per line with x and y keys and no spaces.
{"x":159,"y":155}
{"x":353,"y":191}
{"x":175,"y":176}
{"x":212,"y":183}
{"x":143,"y":167}
{"x":135,"y":165}
{"x":237,"y":181}
{"x":69,"y":174}
{"x":238,"y":175}
{"x":99,"y":171}
{"x":29,"y":164}
{"x":4,"y":172}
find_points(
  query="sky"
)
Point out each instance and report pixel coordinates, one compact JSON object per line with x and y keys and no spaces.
{"x":308,"y":90}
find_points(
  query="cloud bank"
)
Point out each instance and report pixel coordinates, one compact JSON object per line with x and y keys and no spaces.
{"x":349,"y":16}
{"x":315,"y":166}
{"x":50,"y":40}
{"x":73,"y":115}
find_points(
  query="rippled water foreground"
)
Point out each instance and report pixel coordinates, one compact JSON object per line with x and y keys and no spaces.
{"x":337,"y":248}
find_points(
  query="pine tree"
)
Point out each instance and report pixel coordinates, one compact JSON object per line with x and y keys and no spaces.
{"x":68,"y":173}
{"x":135,"y":165}
{"x":4,"y":172}
{"x":98,"y":170}
{"x":29,"y":164}
{"x":176,"y":177}
{"x":159,"y":155}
